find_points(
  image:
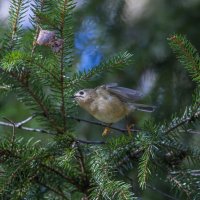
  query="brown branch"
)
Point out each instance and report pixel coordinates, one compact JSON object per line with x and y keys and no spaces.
{"x":83,"y":170}
{"x":16,"y":19}
{"x":62,"y":87}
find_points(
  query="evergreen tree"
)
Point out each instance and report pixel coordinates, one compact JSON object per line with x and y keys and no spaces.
{"x":38,"y":69}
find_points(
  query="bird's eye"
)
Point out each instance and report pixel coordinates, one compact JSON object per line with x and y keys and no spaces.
{"x":81,"y":92}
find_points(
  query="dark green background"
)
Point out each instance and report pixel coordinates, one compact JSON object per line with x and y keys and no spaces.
{"x":145,"y":35}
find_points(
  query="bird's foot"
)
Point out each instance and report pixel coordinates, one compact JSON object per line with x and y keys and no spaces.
{"x":106,"y":131}
{"x":129,"y":127}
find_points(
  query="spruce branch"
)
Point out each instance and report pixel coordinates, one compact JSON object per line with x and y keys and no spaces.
{"x":18,"y":124}
{"x":70,"y":180}
{"x":161,"y":192}
{"x":190,"y":115}
{"x":178,"y":184}
{"x":116,"y":62}
{"x":39,"y":130}
{"x":62,"y":89}
{"x":84,"y":171}
{"x":191,"y":131}
{"x":27,"y":128}
{"x":53,"y":189}
{"x":107,"y":187}
{"x":40,"y":64}
{"x":144,"y":169}
{"x":17,"y":173}
{"x":38,"y":161}
{"x":17,"y":11}
{"x":65,"y":57}
{"x":187,"y":55}
{"x":37,"y":98}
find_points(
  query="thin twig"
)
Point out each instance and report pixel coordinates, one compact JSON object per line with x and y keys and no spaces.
{"x":179,"y":185}
{"x":24,"y":121}
{"x":38,"y":130}
{"x":90,"y":142}
{"x":194,"y":172}
{"x":190,"y":131}
{"x":6,"y":87}
{"x":27,"y":128}
{"x":131,"y":155}
{"x":101,"y":124}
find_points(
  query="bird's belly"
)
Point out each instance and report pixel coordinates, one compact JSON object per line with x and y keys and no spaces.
{"x":109,"y":110}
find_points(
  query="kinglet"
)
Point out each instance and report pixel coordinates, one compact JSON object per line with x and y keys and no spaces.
{"x":110,"y":103}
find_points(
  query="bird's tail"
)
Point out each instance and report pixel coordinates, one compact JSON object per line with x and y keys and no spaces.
{"x":144,"y":108}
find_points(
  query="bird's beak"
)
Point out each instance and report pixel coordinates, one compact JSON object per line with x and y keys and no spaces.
{"x":74,"y":96}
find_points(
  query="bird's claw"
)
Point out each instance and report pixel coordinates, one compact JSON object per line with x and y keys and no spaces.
{"x":106,"y":131}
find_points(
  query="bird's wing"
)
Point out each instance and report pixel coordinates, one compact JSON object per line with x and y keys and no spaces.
{"x":124,"y":94}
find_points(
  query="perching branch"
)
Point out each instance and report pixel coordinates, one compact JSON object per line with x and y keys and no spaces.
{"x":25,"y":121}
{"x":19,"y":126}
{"x":101,"y":124}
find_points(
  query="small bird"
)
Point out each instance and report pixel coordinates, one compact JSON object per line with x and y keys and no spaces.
{"x":110,"y":103}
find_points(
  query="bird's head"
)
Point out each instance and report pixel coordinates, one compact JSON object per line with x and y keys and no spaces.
{"x":84,"y":96}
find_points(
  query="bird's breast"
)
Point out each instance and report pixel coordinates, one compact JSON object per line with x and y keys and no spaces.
{"x":108,"y":109}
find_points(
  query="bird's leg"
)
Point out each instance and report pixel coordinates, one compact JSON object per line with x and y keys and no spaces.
{"x":129,"y":127}
{"x":106,"y":130}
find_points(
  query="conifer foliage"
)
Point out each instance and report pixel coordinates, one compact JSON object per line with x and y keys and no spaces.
{"x":123,"y":167}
